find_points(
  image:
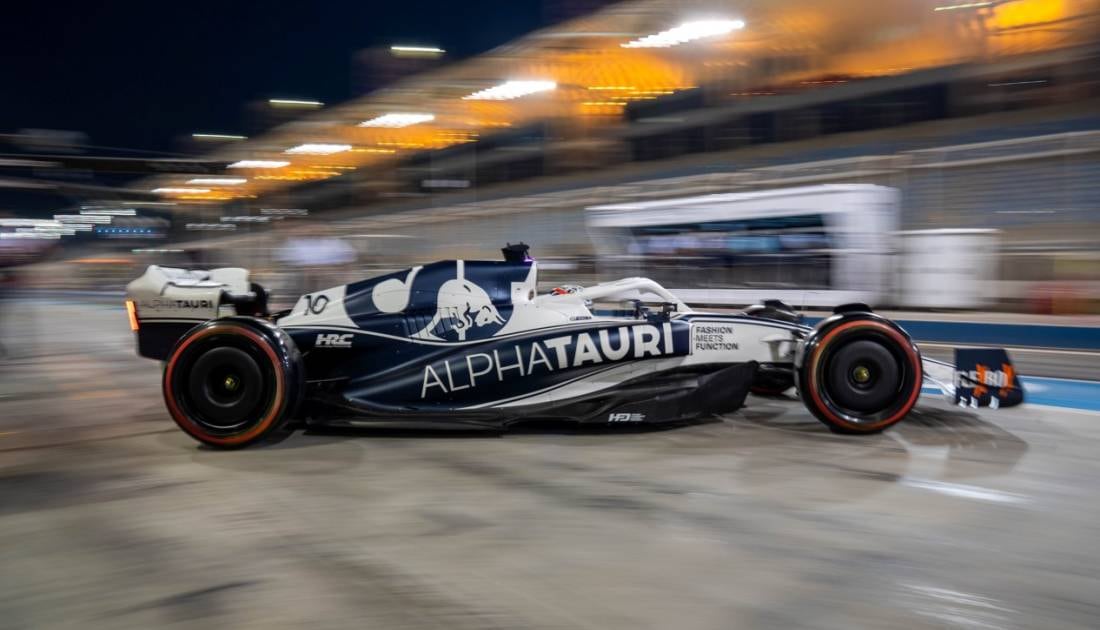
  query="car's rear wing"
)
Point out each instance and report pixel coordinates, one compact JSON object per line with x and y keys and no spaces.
{"x":165,"y":302}
{"x":980,"y":377}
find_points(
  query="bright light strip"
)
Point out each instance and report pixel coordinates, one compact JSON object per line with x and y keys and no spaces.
{"x":28,"y":222}
{"x":218,"y":181}
{"x":511,"y":89}
{"x":969,"y":5}
{"x":259,"y":164}
{"x":66,"y":231}
{"x":217,"y":136}
{"x":30,"y":235}
{"x":100,"y":219}
{"x":211,"y":227}
{"x":686,"y":32}
{"x":246,"y":219}
{"x":313,"y":148}
{"x":284,"y":212}
{"x":428,"y":50}
{"x":49,"y":232}
{"x":397,"y":120}
{"x":114,"y":212}
{"x":176,"y":190}
{"x":294,"y":102}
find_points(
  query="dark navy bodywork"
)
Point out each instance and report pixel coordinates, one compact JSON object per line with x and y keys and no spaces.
{"x":382,"y":363}
{"x":477,"y":343}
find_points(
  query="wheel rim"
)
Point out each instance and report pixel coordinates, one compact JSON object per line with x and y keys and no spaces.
{"x":225,"y":388}
{"x":855,"y":399}
{"x":235,"y":396}
{"x":863,"y":376}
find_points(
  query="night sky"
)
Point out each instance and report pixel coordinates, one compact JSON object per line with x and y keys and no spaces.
{"x":140,"y":74}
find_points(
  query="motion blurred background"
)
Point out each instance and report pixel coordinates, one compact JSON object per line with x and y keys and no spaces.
{"x":193,"y":140}
{"x":936,"y":158}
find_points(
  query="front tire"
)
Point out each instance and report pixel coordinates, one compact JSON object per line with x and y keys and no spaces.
{"x":233,"y":382}
{"x":859,"y":374}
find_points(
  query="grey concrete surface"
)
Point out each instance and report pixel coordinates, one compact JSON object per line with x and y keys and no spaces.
{"x":112,"y":518}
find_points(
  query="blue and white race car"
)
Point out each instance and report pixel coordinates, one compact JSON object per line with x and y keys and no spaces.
{"x":475,"y":344}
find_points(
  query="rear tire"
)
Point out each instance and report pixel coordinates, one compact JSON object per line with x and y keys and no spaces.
{"x":233,"y":382}
{"x":860,"y":374}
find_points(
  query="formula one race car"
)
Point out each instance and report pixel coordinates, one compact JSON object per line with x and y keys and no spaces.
{"x":474,"y":343}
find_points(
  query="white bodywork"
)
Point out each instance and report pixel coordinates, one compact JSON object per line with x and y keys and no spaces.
{"x":177,"y":295}
{"x":718,"y":338}
{"x":169,"y":294}
{"x":531,"y":311}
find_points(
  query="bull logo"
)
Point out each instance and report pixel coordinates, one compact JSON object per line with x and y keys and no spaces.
{"x":465,"y":308}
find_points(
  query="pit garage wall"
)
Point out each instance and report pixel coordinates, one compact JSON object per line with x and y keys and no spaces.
{"x":1039,"y":189}
{"x":551,"y":233}
{"x":1040,"y":192}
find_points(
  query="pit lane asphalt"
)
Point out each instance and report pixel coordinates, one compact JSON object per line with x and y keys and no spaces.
{"x":112,"y":518}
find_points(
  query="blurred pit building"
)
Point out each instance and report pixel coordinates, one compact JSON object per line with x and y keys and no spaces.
{"x":983,"y":116}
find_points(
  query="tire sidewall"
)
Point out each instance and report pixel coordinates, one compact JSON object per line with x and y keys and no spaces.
{"x":283,"y":364}
{"x":810,"y":376}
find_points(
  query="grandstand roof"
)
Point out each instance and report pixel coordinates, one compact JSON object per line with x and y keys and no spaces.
{"x":587,"y":70}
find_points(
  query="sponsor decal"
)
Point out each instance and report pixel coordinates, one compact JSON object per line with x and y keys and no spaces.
{"x":707,"y":338}
{"x":983,"y":378}
{"x":544,"y":356}
{"x":986,"y":378}
{"x":626,"y":417}
{"x":333,"y":340}
{"x":166,"y":304}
